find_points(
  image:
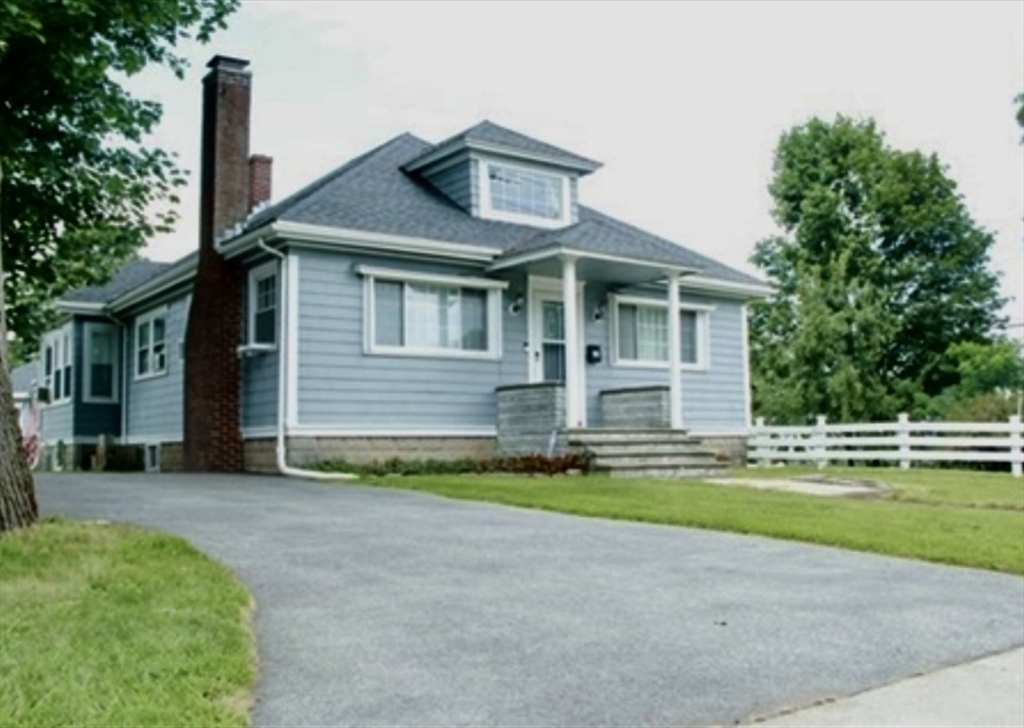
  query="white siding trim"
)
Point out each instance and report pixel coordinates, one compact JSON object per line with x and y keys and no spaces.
{"x":290,"y":356}
{"x":399,"y":274}
{"x":747,"y":394}
{"x":360,"y":432}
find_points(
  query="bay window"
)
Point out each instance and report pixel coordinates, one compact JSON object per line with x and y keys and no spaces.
{"x":101,"y":363}
{"x":58,"y":358}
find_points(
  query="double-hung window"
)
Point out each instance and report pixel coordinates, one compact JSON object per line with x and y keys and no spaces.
{"x":58,"y":367}
{"x":641,"y":334}
{"x":151,"y":344}
{"x":425,"y":315}
{"x":263,"y":305}
{"x":101,"y":363}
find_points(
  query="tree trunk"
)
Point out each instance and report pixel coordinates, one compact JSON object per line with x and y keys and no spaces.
{"x":18,"y":506}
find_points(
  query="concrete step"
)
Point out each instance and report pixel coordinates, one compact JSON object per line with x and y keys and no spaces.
{"x":596,"y":437}
{"x":703,"y":471}
{"x":654,"y":461}
{"x":642,"y":447}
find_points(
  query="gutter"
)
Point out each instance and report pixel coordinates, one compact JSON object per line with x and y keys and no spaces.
{"x":282,"y":383}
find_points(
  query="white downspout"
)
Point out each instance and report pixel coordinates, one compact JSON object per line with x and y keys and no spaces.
{"x":282,"y":384}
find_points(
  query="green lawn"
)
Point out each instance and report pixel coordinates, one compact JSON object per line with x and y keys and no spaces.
{"x":104,"y":625}
{"x":931,"y":515}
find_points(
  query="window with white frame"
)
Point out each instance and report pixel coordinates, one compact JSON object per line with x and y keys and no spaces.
{"x":424,"y":315}
{"x":641,"y":333}
{"x":263,"y":305}
{"x":58,"y":358}
{"x":151,"y":344}
{"x":101,"y":363}
{"x":523,"y":194}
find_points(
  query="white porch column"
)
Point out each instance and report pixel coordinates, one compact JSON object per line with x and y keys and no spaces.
{"x":573,"y":417}
{"x":675,"y":369}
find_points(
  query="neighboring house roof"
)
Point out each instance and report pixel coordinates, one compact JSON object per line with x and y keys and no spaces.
{"x":131,"y":275}
{"x":23,"y":376}
{"x":491,"y":136}
{"x":372,"y":194}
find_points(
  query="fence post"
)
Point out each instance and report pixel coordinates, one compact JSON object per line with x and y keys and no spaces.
{"x":903,"y":440}
{"x":1015,"y":446}
{"x":821,"y":434}
{"x":755,"y":435}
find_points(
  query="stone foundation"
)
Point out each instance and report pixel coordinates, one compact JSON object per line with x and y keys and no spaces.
{"x":636,"y":407}
{"x":261,"y":456}
{"x":528,"y":414}
{"x":172,"y":457}
{"x":730,"y":448}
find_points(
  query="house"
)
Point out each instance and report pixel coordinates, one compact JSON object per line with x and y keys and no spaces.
{"x":422,"y":300}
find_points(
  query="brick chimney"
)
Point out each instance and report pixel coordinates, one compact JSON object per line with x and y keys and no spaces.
{"x":213,"y":438}
{"x":260,"y":178}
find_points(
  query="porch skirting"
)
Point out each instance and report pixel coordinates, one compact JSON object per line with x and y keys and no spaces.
{"x":636,"y":407}
{"x":261,"y":453}
{"x":529,"y":415}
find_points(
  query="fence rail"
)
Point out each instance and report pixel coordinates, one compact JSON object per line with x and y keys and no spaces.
{"x":903,"y":441}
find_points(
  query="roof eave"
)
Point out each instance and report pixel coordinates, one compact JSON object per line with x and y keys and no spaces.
{"x":559,"y":250}
{"x":580,"y":165}
{"x":176,"y":274}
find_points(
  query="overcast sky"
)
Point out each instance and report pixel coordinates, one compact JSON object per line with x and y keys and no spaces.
{"x":683,"y":102}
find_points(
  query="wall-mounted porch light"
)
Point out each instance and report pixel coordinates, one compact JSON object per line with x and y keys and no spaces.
{"x":516,"y":306}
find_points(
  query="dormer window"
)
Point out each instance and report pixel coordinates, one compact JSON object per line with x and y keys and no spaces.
{"x":525,"y":195}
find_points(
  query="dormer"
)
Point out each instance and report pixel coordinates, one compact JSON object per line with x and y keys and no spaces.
{"x":494,"y":173}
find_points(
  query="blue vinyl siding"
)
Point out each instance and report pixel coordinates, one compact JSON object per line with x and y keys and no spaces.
{"x":457,"y":183}
{"x":156,"y":405}
{"x":56,"y":422}
{"x":259,"y":390}
{"x":713,"y":399}
{"x":340,"y":386}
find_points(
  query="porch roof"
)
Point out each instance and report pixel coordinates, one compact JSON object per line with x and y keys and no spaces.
{"x":605,"y":253}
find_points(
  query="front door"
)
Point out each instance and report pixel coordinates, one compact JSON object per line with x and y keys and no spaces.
{"x":551,"y":360}
{"x":547,"y":334}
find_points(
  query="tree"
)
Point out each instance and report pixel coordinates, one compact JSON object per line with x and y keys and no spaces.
{"x":83,"y":191}
{"x":878,"y":270}
{"x":81,"y":186}
{"x":18,"y":506}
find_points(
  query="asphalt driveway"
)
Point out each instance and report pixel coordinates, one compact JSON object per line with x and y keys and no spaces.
{"x":383,"y":607}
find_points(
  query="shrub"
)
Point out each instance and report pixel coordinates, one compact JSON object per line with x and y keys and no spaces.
{"x":534,"y":463}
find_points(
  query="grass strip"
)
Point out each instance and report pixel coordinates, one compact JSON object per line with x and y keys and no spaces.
{"x":945,"y":532}
{"x":111,"y":625}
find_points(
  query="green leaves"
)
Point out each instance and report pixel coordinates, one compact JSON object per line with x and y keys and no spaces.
{"x":880,"y":269}
{"x":82,"y":191}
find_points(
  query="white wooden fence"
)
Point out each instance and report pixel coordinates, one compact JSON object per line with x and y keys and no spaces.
{"x":902,"y":441}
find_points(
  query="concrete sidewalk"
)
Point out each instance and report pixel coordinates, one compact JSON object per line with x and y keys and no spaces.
{"x":988,"y":692}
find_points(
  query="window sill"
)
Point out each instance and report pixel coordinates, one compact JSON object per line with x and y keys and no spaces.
{"x":101,"y":400}
{"x":151,"y":375}
{"x":646,"y":364}
{"x":57,"y":403}
{"x":254,"y":349}
{"x":432,"y":353}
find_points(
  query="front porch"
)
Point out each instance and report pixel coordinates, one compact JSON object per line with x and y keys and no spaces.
{"x":636,"y":439}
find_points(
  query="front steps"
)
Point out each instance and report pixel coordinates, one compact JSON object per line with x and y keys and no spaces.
{"x":646,"y":453}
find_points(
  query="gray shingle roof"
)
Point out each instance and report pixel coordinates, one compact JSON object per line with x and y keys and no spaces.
{"x":373,"y":194}
{"x":491,"y":134}
{"x":131,"y":275}
{"x":23,"y":376}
